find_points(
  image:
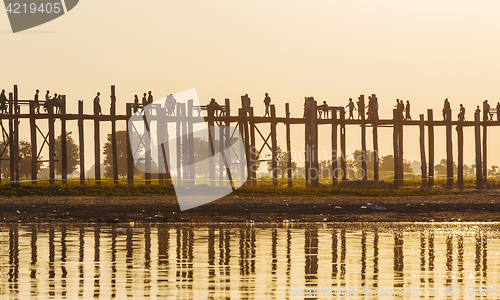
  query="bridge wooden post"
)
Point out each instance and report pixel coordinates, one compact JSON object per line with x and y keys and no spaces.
{"x":400,"y":155}
{"x":395,"y":136}
{"x":12,"y":148}
{"x":343,"y":162}
{"x":460,"y":141}
{"x":363,"y":137}
{"x":335,"y":176}
{"x":477,"y":136}
{"x":211,"y":140}
{"x":423,"y":162}
{"x":147,"y":145}
{"x":97,"y":147}
{"x":246,"y":144}
{"x":227,"y":133}
{"x":185,"y":145}
{"x":449,"y":152}
{"x":485,"y":151}
{"x":64,"y":148}
{"x":376,"y":158}
{"x":221,"y":143}
{"x":274,"y":146}
{"x":376,"y":169}
{"x":130,"y":157}
{"x":190,"y":137}
{"x":253,"y":154}
{"x":51,"y":143}
{"x":17,"y":112}
{"x":307,"y":144}
{"x":114,"y":151}
{"x":288,"y":145}
{"x":315,"y":152}
{"x":34,"y":150}
{"x":430,"y":136}
{"x":178,"y":146}
{"x":81,"y":141}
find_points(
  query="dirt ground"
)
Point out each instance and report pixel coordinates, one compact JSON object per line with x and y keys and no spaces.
{"x":475,"y":206}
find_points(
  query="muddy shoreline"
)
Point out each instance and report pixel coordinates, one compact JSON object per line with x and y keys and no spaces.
{"x":475,"y":206}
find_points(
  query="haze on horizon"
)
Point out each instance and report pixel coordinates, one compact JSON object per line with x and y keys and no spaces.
{"x":422,"y":51}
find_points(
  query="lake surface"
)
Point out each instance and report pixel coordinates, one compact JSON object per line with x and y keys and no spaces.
{"x":254,"y":261}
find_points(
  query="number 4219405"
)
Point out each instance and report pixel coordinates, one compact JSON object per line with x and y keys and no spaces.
{"x":47,"y":8}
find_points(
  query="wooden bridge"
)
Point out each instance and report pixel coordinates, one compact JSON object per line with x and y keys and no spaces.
{"x":248,"y":125}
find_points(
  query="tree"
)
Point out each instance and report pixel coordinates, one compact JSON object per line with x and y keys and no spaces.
{"x":121,"y":153}
{"x":72,"y":152}
{"x":357,"y":158}
{"x":442,"y":168}
{"x":24,"y":160}
{"x":281,"y":164}
{"x":387,"y":164}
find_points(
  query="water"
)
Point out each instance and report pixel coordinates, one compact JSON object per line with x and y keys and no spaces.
{"x":255,"y":261}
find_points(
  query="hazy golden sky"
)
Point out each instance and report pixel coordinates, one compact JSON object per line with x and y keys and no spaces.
{"x":423,"y":51}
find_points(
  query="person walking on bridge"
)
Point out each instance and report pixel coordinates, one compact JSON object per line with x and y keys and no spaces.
{"x":351,"y":109}
{"x":267,"y":102}
{"x":97,"y":104}
{"x":486,"y":110}
{"x":407,"y":110}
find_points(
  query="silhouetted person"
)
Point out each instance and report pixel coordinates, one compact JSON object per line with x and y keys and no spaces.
{"x":170,"y":103}
{"x":324,"y":110}
{"x":246,"y":102}
{"x":53,"y":103}
{"x":369,"y":108}
{"x":267,"y":102}
{"x":59,"y":102}
{"x":351,"y":109}
{"x":407,"y":111}
{"x":3,"y":102}
{"x":486,"y":110}
{"x":136,"y":103}
{"x":215,"y":106}
{"x":36,"y":103}
{"x":47,"y":101}
{"x":144,"y":101}
{"x":400,"y":107}
{"x":461,"y":115}
{"x":498,"y":111}
{"x":360,"y":105}
{"x":375,"y":108}
{"x":446,"y":109}
{"x":150,"y":97}
{"x":97,"y":104}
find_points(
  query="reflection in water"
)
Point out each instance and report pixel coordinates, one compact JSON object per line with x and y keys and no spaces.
{"x":259,"y":261}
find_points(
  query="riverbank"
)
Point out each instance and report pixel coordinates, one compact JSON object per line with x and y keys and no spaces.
{"x":456,"y":206}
